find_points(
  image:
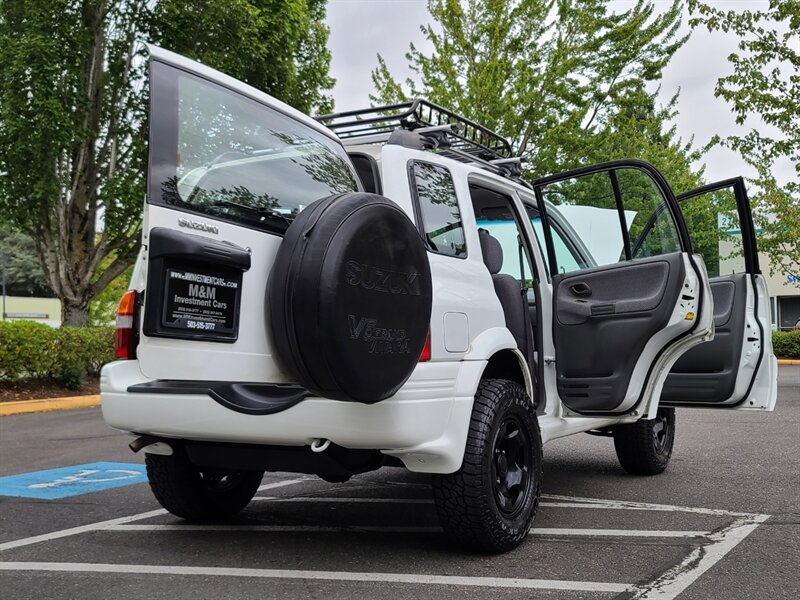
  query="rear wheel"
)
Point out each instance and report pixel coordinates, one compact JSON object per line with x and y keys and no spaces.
{"x":489,"y":504}
{"x":197,"y":494}
{"x":645,"y":447}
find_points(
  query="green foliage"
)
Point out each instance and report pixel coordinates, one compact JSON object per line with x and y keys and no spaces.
{"x":73,"y":118}
{"x":786,"y":344}
{"x":91,"y":347}
{"x":73,"y":376}
{"x":25,"y":276}
{"x":565,"y":81}
{"x":709,"y":217}
{"x":30,"y":350}
{"x":103,"y":308}
{"x":71,"y":146}
{"x":27,"y":350}
{"x":277,"y":47}
{"x":765,"y":83}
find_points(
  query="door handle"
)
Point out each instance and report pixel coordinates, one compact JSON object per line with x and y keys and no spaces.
{"x":581,"y":289}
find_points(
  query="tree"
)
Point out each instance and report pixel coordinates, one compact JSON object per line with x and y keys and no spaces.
{"x":103,"y":308}
{"x":765,"y":84}
{"x":555,"y":77}
{"x":73,"y":113}
{"x":69,"y":143}
{"x":24,"y":276}
{"x":278,"y":46}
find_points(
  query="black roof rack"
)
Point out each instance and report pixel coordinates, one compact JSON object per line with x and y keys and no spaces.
{"x":468,"y":140}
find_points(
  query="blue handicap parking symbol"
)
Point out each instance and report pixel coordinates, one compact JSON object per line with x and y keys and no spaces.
{"x":72,"y":481}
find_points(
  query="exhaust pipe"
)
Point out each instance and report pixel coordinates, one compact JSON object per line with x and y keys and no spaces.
{"x":151,"y":445}
{"x":320,"y":445}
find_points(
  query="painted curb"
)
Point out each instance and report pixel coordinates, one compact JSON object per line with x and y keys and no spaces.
{"x":21,"y":407}
{"x":788,"y":361}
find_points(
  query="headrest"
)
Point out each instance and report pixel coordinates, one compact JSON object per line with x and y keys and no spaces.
{"x":492,"y":252}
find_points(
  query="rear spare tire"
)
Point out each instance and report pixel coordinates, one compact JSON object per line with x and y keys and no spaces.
{"x":349,"y":298}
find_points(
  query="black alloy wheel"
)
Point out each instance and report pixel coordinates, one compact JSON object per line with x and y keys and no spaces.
{"x":489,"y":504}
{"x":645,"y":447}
{"x":511,"y":466}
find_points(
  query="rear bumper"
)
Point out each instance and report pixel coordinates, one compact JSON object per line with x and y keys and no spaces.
{"x":425,"y":424}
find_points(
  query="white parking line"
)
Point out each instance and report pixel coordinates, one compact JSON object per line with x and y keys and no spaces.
{"x":668,"y":586}
{"x":54,"y":535}
{"x":700,"y":560}
{"x":643,"y":533}
{"x":577,"y":502}
{"x":343,"y":499}
{"x":278,"y":528}
{"x":410,"y":578}
{"x":589,"y":503}
{"x":78,"y":530}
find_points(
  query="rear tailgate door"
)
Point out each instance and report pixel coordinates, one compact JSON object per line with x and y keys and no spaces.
{"x":228,"y":170}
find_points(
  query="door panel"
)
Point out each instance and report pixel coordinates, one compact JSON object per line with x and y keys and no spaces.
{"x":606,"y":316}
{"x":619,"y":327}
{"x":735,"y":369}
{"x":708,"y":373}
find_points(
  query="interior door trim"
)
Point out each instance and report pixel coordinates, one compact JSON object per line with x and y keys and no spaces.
{"x":683,"y":237}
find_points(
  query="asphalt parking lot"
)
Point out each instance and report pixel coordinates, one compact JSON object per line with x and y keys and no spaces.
{"x":722,"y":522}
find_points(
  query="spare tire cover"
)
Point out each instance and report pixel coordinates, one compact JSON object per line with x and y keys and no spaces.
{"x":349,"y":297}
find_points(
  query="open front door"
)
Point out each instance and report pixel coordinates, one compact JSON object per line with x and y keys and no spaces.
{"x":621,"y":319}
{"x":737,"y":369}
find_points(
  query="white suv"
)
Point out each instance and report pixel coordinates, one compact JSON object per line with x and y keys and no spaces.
{"x":381,"y":288}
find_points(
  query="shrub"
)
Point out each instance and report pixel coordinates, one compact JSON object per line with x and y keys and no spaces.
{"x":27,"y":350}
{"x":73,"y":376}
{"x":91,"y":347}
{"x":786,"y":344}
{"x":30,"y":350}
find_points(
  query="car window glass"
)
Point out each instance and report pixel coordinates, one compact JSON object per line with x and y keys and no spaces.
{"x":495,"y":214}
{"x":651,"y":228}
{"x":567,"y":257}
{"x":587,"y":203}
{"x":438,"y":206}
{"x":715,"y":231}
{"x":219,"y":153}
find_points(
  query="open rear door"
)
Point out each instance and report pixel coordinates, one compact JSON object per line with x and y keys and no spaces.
{"x":622,"y":319}
{"x":737,"y":369}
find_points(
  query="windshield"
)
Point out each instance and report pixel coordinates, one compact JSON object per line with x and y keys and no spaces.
{"x":216,"y":152}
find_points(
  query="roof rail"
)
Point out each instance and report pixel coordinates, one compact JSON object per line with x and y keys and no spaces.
{"x":467,"y":142}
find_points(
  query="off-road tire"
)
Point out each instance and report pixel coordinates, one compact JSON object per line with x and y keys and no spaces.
{"x":645,"y":447}
{"x":468,"y":501}
{"x":196,"y":494}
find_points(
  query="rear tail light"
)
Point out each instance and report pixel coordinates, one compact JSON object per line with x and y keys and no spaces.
{"x":125,"y":337}
{"x":426,"y":349}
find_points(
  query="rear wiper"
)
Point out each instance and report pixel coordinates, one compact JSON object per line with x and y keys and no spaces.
{"x":261,"y":211}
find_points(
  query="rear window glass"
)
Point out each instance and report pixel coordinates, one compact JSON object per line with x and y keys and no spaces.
{"x":216,"y":152}
{"x":438,"y":206}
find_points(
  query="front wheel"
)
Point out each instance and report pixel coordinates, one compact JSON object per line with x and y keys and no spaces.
{"x":489,"y":504}
{"x":645,"y":447}
{"x":199,"y":494}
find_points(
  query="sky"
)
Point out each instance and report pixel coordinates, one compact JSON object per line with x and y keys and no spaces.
{"x":360,"y":29}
